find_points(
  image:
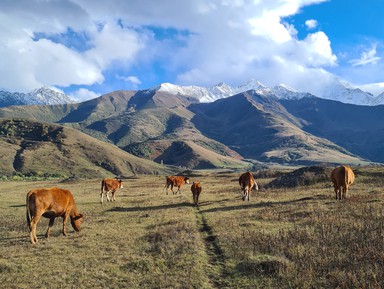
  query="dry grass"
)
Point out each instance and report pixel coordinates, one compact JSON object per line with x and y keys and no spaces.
{"x":286,"y":238}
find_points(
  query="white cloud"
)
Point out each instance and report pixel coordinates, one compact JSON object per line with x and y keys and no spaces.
{"x":194,"y":42}
{"x":131,"y":79}
{"x":366,"y":57}
{"x":83,"y":94}
{"x":311,"y":24}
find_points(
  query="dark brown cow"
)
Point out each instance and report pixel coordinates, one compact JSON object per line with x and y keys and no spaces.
{"x":51,"y":203}
{"x":110,"y":186}
{"x":342,"y":177}
{"x":247,"y":183}
{"x":196,"y":190}
{"x":175,"y":181}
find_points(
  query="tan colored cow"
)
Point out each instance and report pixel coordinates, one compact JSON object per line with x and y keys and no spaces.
{"x":196,"y":190}
{"x":175,"y":181}
{"x":342,"y":177}
{"x":247,"y":183}
{"x":51,"y":203}
{"x":110,"y":186}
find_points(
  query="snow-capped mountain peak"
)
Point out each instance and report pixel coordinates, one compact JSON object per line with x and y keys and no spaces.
{"x":47,"y":95}
{"x":40,"y":96}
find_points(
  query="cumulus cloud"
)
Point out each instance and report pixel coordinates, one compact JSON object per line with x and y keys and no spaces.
{"x":191,"y":42}
{"x":311,"y":24}
{"x":83,"y":94}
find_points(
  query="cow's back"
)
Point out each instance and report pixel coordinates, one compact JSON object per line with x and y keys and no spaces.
{"x":342,"y":176}
{"x":52,"y":199}
{"x":196,"y":188}
{"x":349,"y":176}
{"x":246,"y":179}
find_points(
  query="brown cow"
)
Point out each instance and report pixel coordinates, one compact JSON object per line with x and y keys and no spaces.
{"x":110,"y":186}
{"x":196,"y":190}
{"x":51,"y":203}
{"x":175,"y":181}
{"x":247,"y":183}
{"x":342,"y":177}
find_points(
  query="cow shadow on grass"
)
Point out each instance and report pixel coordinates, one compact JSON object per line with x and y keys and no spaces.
{"x":249,"y":205}
{"x":150,"y":208}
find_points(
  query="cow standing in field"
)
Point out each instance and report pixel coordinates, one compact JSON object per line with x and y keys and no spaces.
{"x":175,"y":181}
{"x":247,"y":183}
{"x":110,"y":186}
{"x":342,"y":177}
{"x":51,"y":203}
{"x":196,"y":190}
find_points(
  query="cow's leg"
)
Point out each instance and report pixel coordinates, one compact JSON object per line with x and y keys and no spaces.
{"x":249,"y":194}
{"x":335,"y":189}
{"x":339,"y":190}
{"x":345,"y":190}
{"x":101,"y":196}
{"x":178,"y":190}
{"x":113,"y":195}
{"x":65,"y":219}
{"x":197,"y":199}
{"x":172,"y":189}
{"x":51,"y":221}
{"x":32,"y":233}
{"x":108,"y":199}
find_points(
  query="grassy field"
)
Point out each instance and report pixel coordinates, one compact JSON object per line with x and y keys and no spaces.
{"x":282,"y":238}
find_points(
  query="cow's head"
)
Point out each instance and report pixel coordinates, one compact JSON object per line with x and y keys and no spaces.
{"x":186,"y":180}
{"x":77,"y":221}
{"x":255,"y":187}
{"x":120,"y":182}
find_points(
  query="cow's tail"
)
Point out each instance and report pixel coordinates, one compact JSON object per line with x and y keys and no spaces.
{"x":102,"y":187}
{"x":28,"y":212}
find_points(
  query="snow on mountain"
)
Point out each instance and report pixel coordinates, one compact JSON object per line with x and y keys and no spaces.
{"x":47,"y":95}
{"x":41,"y":96}
{"x":283,"y":91}
{"x":338,"y":91}
{"x":344,"y":92}
{"x":209,"y":94}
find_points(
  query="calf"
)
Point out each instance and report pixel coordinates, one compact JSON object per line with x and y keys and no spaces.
{"x":342,"y":177}
{"x":110,"y":186}
{"x":51,"y":203}
{"x":196,"y":190}
{"x":175,"y":181}
{"x":247,"y":183}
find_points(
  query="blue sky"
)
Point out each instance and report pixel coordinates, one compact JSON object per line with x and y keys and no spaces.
{"x":90,"y":47}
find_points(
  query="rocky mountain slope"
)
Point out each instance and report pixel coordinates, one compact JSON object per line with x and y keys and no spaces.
{"x":44,"y":149}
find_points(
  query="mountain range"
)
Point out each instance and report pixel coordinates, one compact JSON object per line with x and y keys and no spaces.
{"x":338,"y":91}
{"x":170,"y":128}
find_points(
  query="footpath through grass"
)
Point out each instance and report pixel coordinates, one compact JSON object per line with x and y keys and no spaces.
{"x":297,"y":238}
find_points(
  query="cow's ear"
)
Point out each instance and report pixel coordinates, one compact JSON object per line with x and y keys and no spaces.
{"x":79,"y":216}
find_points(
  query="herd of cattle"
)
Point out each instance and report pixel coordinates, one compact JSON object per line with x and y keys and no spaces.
{"x":55,"y":202}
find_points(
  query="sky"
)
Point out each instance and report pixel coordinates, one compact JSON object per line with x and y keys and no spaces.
{"x":87,"y":48}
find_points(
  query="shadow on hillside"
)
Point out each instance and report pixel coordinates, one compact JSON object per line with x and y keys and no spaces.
{"x":150,"y":208}
{"x":247,"y":205}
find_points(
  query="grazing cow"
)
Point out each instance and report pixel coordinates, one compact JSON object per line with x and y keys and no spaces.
{"x":342,"y":177}
{"x":247,"y":183}
{"x":175,"y":181}
{"x":51,"y":203}
{"x":110,"y":186}
{"x":196,"y":190}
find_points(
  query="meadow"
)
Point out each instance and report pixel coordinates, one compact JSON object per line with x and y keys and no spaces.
{"x":282,"y":238}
